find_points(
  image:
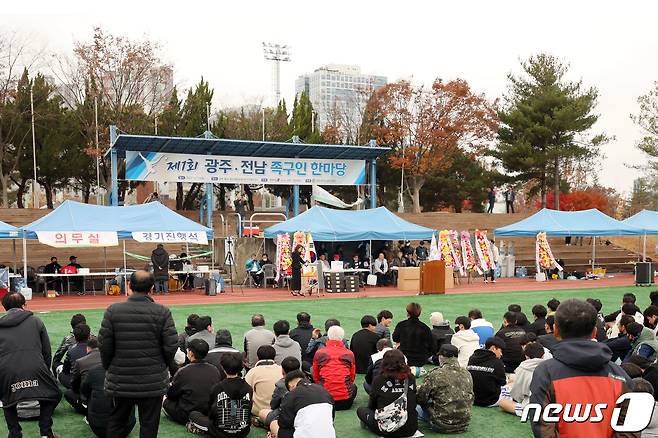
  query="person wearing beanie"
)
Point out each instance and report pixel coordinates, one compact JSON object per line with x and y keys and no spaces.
{"x":445,"y":399}
{"x":441,"y":333}
{"x":465,"y":339}
{"x":488,"y":373}
{"x":223,"y":345}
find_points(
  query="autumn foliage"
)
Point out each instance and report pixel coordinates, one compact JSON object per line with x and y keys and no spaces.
{"x":581,"y":200}
{"x":425,"y":126}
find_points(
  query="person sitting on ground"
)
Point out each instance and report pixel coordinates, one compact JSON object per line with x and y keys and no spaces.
{"x":284,"y":345}
{"x":651,"y":318}
{"x":600,"y":323}
{"x":318,"y":340}
{"x":521,"y":318}
{"x":289,"y":364}
{"x":263,"y":377}
{"x":520,"y":391}
{"x":649,"y":371}
{"x":384,"y":320}
{"x":190,"y":329}
{"x":395,"y":381}
{"x":67,"y":342}
{"x":100,"y":405}
{"x":80,"y":370}
{"x":621,"y":344}
{"x":204,"y":331}
{"x":538,"y":325}
{"x":375,"y":364}
{"x":481,"y":326}
{"x":380,"y":269}
{"x":413,"y":337}
{"x":306,"y":411}
{"x":364,"y":343}
{"x":441,"y":333}
{"x":465,"y":339}
{"x":223,"y":345}
{"x":81,"y":333}
{"x":302,"y":334}
{"x":256,"y":338}
{"x":445,"y":398}
{"x":578,"y":363}
{"x":628,"y":307}
{"x":488,"y":373}
{"x":643,"y":342}
{"x":530,"y":338}
{"x":190,"y":387}
{"x":511,"y":334}
{"x":548,"y":340}
{"x":642,"y":385}
{"x":230,"y":404}
{"x":254,"y":268}
{"x":632,"y":370}
{"x":335,"y":370}
{"x":552,"y":305}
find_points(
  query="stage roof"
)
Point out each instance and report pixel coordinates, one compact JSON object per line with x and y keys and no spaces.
{"x":243,"y":148}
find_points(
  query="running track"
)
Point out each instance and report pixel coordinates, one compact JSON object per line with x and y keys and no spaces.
{"x":248,"y":295}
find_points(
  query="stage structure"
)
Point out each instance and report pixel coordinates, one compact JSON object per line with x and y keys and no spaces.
{"x":213,"y":160}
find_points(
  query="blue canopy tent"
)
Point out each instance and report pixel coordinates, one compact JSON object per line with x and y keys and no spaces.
{"x":569,"y":223}
{"x":329,"y":225}
{"x":126,"y":222}
{"x":646,"y":220}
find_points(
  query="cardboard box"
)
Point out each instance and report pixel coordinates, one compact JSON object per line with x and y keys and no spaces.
{"x":409,"y":279}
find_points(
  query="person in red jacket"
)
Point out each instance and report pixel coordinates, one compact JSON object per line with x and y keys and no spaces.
{"x":334,"y":368}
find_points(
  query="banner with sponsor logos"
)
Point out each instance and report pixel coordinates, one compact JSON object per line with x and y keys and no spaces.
{"x":157,"y":166}
{"x":171,"y":237}
{"x":67,"y":239}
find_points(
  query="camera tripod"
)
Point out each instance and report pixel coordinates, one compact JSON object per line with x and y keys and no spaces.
{"x":229,"y":260}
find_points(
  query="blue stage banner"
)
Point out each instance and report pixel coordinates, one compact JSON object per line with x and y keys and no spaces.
{"x":165,"y":167}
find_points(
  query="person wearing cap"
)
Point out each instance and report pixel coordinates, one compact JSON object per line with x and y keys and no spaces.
{"x":445,"y":399}
{"x":465,"y":339}
{"x":441,"y":333}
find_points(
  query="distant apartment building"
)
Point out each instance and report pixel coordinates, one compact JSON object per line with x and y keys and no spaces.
{"x":339,"y":94}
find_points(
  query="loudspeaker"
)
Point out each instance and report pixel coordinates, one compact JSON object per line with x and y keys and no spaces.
{"x":211,"y":287}
{"x":643,"y":273}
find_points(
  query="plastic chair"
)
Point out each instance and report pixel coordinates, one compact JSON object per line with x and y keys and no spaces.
{"x":269,"y":273}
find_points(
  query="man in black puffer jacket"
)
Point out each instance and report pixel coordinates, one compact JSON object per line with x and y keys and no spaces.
{"x":25,"y":357}
{"x":138,"y":341}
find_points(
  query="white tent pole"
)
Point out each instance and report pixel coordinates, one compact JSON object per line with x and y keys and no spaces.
{"x":125,"y":269}
{"x":212,"y":254}
{"x":13,"y":245}
{"x":644,"y":249}
{"x":24,"y":259}
{"x":593,"y":251}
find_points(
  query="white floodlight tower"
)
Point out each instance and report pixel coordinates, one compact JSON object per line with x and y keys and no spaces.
{"x":277,"y":53}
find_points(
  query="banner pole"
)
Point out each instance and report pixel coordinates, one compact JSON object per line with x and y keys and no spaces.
{"x":125,"y":269}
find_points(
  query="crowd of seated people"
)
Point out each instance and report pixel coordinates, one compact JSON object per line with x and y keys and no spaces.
{"x":292,"y":381}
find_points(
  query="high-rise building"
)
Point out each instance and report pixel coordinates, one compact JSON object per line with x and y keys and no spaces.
{"x":339,"y":94}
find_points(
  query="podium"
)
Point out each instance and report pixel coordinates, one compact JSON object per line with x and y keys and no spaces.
{"x":433,"y":277}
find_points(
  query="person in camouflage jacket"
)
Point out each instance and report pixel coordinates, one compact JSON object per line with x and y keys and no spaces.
{"x":445,"y":398}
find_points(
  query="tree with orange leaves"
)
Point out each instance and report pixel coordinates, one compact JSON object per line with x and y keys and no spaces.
{"x":425,"y":126}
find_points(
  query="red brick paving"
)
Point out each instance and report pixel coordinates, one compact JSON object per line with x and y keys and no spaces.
{"x":250,"y":295}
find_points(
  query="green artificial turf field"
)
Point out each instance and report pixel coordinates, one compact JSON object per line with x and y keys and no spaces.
{"x":486,"y":422}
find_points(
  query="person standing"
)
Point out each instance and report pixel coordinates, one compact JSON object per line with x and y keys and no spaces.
{"x":239,"y":205}
{"x":509,"y":200}
{"x":491,"y":197}
{"x":496,"y":261}
{"x":160,"y":261}
{"x":138,"y":341}
{"x":25,"y":357}
{"x":296,"y":281}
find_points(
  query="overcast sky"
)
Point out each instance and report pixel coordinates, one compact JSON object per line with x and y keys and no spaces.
{"x":610,"y":45}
